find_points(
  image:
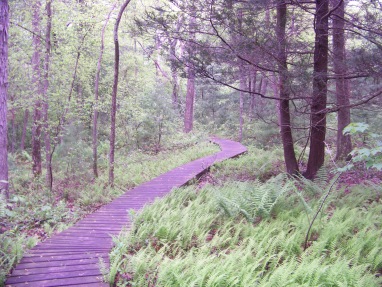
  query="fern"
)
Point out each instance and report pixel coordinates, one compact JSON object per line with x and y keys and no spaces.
{"x":344,"y":251}
{"x":252,"y":201}
{"x":3,"y":205}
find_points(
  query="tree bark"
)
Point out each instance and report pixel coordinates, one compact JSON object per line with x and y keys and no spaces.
{"x":174,"y":75}
{"x":48,"y":153}
{"x":96,"y":96}
{"x":319,"y":97}
{"x":344,"y":145}
{"x":114,"y":94}
{"x":13,"y":127}
{"x":4,"y":24}
{"x":284,"y":112}
{"x":36,"y":132}
{"x":241,"y":105}
{"x":174,"y":70}
{"x":190,"y":96}
{"x":242,"y":80}
{"x":24,"y":133}
{"x":252,"y":105}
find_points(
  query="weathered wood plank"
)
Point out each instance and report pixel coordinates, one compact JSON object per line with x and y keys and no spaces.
{"x":71,"y":258}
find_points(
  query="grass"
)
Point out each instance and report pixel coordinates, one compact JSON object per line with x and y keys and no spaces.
{"x":30,"y":216}
{"x":33,"y":213}
{"x":190,"y":238}
{"x":256,"y":164}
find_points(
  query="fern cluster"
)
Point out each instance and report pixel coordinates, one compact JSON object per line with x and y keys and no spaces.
{"x":3,"y":205}
{"x":33,"y":213}
{"x":183,"y":240}
{"x":252,"y":200}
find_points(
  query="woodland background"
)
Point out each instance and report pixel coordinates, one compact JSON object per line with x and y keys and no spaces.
{"x":285,"y":76}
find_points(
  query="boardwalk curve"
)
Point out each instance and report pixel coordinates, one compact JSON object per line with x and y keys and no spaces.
{"x":71,"y":258}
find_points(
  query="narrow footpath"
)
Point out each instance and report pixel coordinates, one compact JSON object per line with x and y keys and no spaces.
{"x":72,"y":257}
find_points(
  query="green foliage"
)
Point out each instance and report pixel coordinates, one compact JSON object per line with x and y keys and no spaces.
{"x":183,"y":240}
{"x":370,"y":150}
{"x":253,"y":200}
{"x":140,"y":167}
{"x":33,"y":213}
{"x":11,"y":251}
{"x":256,"y":163}
{"x":27,"y":218}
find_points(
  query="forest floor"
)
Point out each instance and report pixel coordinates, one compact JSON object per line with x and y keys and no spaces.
{"x":246,"y":224}
{"x":34,"y":213}
{"x":242,"y":224}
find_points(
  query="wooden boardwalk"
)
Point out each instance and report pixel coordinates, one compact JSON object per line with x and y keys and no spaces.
{"x":72,"y":257}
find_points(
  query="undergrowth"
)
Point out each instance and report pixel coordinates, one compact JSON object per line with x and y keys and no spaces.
{"x":34,"y":213}
{"x":256,"y":164}
{"x":210,"y":237}
{"x":29,"y":217}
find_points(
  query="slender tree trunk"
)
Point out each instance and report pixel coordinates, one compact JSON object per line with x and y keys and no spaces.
{"x":114,"y":94}
{"x":190,"y":96}
{"x":319,"y":97}
{"x":344,"y":145}
{"x":252,"y":104}
{"x":174,"y":70}
{"x":4,"y":24}
{"x":241,"y":105}
{"x":242,"y":78}
{"x":48,"y":153}
{"x":13,"y":126}
{"x":96,"y":96}
{"x":285,"y":121}
{"x":262,"y":89}
{"x":62,"y":122}
{"x":37,"y":114}
{"x":24,"y":133}
{"x":175,"y":90}
{"x":63,"y":118}
{"x":264,"y":85}
{"x":174,"y":75}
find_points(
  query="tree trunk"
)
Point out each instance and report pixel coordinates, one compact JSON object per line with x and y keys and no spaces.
{"x":241,"y":105}
{"x":175,"y":90}
{"x":96,"y":95}
{"x":252,"y":104}
{"x":242,"y":78}
{"x":285,"y":121}
{"x":13,"y":127}
{"x":48,"y":153}
{"x":190,"y":96}
{"x":4,"y":24}
{"x":174,"y":70}
{"x":24,"y":133}
{"x":36,"y":132}
{"x":114,"y":94}
{"x":319,"y":97}
{"x":174,"y":75}
{"x":344,"y":145}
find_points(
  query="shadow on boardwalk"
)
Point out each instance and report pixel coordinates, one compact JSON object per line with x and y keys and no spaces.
{"x":72,"y":257}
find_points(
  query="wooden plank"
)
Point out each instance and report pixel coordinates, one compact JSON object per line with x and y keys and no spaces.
{"x":65,"y":268}
{"x":71,"y":258}
{"x":70,"y":262}
{"x":52,"y":276}
{"x":79,"y":281}
{"x":84,"y":255}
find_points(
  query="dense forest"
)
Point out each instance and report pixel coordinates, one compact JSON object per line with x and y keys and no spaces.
{"x":97,"y":97}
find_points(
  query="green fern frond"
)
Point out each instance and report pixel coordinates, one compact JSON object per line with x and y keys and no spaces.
{"x":3,"y":205}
